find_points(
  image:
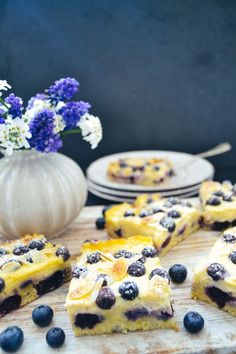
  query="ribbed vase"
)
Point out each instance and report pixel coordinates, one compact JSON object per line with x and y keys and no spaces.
{"x":40,"y":193}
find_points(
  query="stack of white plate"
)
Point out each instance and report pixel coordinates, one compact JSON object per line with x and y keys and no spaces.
{"x":190,"y":172}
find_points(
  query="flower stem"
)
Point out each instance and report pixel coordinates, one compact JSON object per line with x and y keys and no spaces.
{"x":3,"y":103}
{"x":71,"y":131}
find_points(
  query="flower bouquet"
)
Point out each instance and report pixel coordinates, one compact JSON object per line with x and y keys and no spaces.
{"x":42,"y":190}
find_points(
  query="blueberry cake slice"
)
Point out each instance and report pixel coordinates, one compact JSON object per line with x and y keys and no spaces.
{"x":167,"y":221}
{"x":219,"y":204}
{"x":144,"y":171}
{"x":29,"y":268}
{"x":215,"y":277}
{"x":119,"y":286}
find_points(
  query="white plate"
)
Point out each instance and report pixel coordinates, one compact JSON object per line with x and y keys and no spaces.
{"x":132,"y":194}
{"x":116,"y":198}
{"x":190,"y":171}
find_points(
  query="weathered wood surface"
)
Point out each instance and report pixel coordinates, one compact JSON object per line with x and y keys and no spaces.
{"x":218,"y":336}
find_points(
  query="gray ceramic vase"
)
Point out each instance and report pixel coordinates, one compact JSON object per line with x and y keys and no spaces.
{"x":40,"y":193}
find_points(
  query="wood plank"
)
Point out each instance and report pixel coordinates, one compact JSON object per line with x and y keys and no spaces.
{"x":218,"y":336}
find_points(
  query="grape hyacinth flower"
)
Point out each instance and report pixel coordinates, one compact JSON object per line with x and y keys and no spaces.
{"x":15,"y":105}
{"x":91,"y":129}
{"x":73,"y":111}
{"x":63,"y":89}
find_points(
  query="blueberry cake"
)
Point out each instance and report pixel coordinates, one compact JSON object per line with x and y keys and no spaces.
{"x":119,"y":286}
{"x":219,"y":204}
{"x":167,"y":221}
{"x":144,"y":171}
{"x":215,"y":277}
{"x":29,"y":268}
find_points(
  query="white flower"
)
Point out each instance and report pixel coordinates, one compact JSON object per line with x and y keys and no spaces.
{"x":59,"y":123}
{"x":4,"y":86}
{"x":14,"y":134}
{"x":38,"y":106}
{"x":91,"y":129}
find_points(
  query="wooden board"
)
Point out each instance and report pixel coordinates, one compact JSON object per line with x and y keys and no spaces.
{"x":218,"y":336}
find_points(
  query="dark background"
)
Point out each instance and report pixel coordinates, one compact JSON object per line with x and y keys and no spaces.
{"x":160,"y":74}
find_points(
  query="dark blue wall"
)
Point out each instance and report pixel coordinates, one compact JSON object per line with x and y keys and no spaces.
{"x":161,"y":74}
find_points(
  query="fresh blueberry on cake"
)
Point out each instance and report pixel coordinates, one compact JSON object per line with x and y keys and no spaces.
{"x":215,"y":277}
{"x":167,"y":221}
{"x":143,"y":171}
{"x":219,"y":204}
{"x":126,"y":290}
{"x":29,"y":268}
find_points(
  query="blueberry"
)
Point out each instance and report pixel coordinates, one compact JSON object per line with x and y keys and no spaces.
{"x":216,"y":271}
{"x":218,"y":193}
{"x":42,"y":315}
{"x":36,"y":244}
{"x":106,"y":299}
{"x":168,"y":223}
{"x":93,"y":258}
{"x":178,"y":273}
{"x":129,"y":213}
{"x":128,"y":290}
{"x":144,"y":213}
{"x":123,"y":164}
{"x":136,"y":269}
{"x":174,"y":200}
{"x":174,"y":214}
{"x":87,"y":320}
{"x":227,"y":197}
{"x":186,"y":204}
{"x":78,"y":271}
{"x":136,"y":313}
{"x":105,"y":279}
{"x":213,"y":201}
{"x":232,"y":257}
{"x":193,"y":322}
{"x":119,"y":232}
{"x":3,"y":251}
{"x":11,"y":339}
{"x":100,"y":223}
{"x":156,"y":168}
{"x":20,"y":249}
{"x":161,"y":272}
{"x":2,"y":284}
{"x":229,"y":238}
{"x":55,"y":337}
{"x":149,"y":252}
{"x":63,"y":252}
{"x":105,"y":208}
{"x":29,"y":259}
{"x":157,"y":210}
{"x":123,"y":253}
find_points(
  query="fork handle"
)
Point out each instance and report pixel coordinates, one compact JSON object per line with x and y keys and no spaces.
{"x":217,"y":150}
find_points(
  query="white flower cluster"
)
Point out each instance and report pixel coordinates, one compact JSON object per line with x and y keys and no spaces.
{"x":4,"y":86}
{"x":91,"y":129}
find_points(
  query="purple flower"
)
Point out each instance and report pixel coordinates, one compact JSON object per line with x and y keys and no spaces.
{"x":63,"y":89}
{"x":42,"y":129}
{"x":15,"y":103}
{"x":73,"y":111}
{"x":39,"y":96}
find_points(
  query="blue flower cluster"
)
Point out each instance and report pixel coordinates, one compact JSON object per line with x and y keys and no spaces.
{"x":73,"y":111}
{"x":15,"y":102}
{"x":44,"y":138}
{"x":63,"y":89}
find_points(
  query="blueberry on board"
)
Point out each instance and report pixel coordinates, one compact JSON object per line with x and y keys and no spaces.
{"x":123,"y":253}
{"x":63,"y":252}
{"x":11,"y":339}
{"x":36,"y":244}
{"x":213,"y":201}
{"x":20,"y":249}
{"x":178,"y":273}
{"x":2,"y":284}
{"x":216,"y":271}
{"x":105,"y":299}
{"x":100,"y":223}
{"x":78,"y":270}
{"x":193,"y":322}
{"x":136,"y":269}
{"x":128,"y":290}
{"x":174,"y":214}
{"x":160,"y":272}
{"x":93,"y":258}
{"x":42,"y":315}
{"x":149,"y":252}
{"x":232,"y":257}
{"x":168,"y":223}
{"x":229,"y":238}
{"x":55,"y":337}
{"x":105,"y":208}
